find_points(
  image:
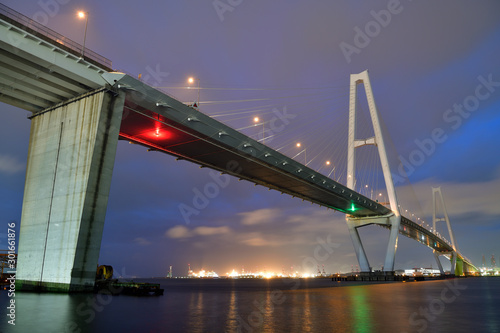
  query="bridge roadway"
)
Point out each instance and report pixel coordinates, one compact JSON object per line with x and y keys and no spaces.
{"x":40,"y":69}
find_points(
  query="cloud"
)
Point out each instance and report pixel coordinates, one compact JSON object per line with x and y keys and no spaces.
{"x":209,"y":231}
{"x":142,"y":241}
{"x":256,"y":241}
{"x":179,"y":231}
{"x":10,"y":165}
{"x":260,"y":216}
{"x":289,"y":227}
{"x":259,"y":239}
{"x":461,"y":198}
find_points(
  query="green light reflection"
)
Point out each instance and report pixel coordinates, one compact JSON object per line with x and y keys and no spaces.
{"x":361,"y":312}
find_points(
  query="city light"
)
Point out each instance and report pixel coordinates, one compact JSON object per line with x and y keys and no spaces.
{"x":191,"y":80}
{"x":234,"y":274}
{"x":256,"y":120}
{"x":84,"y":15}
{"x":298,"y":145}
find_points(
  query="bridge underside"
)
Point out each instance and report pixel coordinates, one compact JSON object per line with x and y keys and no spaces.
{"x":159,"y":122}
{"x":37,"y":72}
{"x":157,"y":132}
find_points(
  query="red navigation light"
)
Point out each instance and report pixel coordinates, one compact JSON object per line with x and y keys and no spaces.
{"x":159,"y":133}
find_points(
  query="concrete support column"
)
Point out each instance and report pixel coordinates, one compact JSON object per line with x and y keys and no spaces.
{"x":453,"y":263}
{"x":440,"y":266}
{"x":68,"y":176}
{"x":392,"y":245}
{"x":358,"y":248}
{"x":459,"y":267}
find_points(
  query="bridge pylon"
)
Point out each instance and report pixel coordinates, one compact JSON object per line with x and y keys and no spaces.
{"x":457,"y":264}
{"x":68,"y":176}
{"x":391,"y":220}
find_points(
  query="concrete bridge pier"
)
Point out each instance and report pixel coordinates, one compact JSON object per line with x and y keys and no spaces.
{"x":70,"y":162}
{"x":440,"y":266}
{"x":459,"y":267}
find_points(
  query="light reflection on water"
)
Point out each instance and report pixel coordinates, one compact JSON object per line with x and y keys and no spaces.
{"x":360,"y":309}
{"x":471,"y":304}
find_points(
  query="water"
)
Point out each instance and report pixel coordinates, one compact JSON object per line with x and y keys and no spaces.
{"x":319,"y":305}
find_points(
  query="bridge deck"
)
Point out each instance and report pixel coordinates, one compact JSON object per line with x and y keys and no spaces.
{"x":182,"y":131}
{"x":40,"y":68}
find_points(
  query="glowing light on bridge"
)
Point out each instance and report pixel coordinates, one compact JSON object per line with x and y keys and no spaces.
{"x":298,"y":145}
{"x":157,"y":134}
{"x":84,"y":15}
{"x":191,"y":80}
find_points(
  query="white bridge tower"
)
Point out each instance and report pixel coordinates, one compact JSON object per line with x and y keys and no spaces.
{"x":437,"y":194}
{"x":392,"y":220}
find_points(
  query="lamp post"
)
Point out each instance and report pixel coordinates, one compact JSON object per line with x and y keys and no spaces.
{"x":84,"y":15}
{"x":298,"y":145}
{"x":191,"y":81}
{"x":366,"y":192}
{"x":256,"y":121}
{"x":333,"y":170}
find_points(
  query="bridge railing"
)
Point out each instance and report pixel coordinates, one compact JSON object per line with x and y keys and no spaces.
{"x":22,"y":21}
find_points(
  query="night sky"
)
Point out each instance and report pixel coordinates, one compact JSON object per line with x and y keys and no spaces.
{"x":435,"y":71}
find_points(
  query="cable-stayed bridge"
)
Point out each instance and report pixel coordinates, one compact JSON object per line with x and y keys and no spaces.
{"x":81,"y":108}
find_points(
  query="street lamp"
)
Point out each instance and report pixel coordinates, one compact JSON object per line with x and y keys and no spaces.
{"x":333,"y":170}
{"x":191,"y":81}
{"x":84,"y":15}
{"x":298,"y":145}
{"x":256,"y":121}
